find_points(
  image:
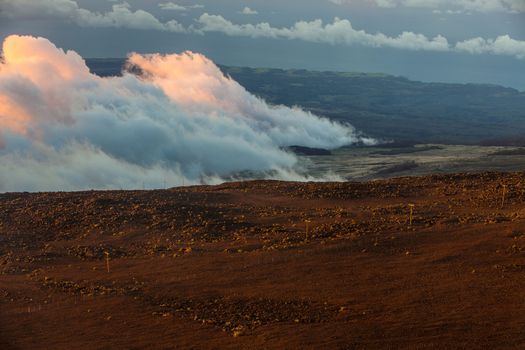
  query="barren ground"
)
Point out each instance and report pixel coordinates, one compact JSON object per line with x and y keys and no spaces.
{"x":233,"y":266}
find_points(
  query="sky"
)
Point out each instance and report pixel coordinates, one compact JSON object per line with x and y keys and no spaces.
{"x":474,"y":41}
{"x":177,"y":119}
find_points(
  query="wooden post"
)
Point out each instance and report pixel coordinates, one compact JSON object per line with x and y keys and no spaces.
{"x":107,"y":261}
{"x":306,"y":222}
{"x":411,"y":213}
{"x":503,"y":192}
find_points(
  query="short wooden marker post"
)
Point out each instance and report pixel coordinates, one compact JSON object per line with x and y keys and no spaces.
{"x":411,"y":206}
{"x":107,"y":261}
{"x":306,"y":223}
{"x":503,"y":193}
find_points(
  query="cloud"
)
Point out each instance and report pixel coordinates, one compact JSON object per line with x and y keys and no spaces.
{"x":385,"y":3}
{"x":120,"y":16}
{"x":248,"y":11}
{"x":340,"y":31}
{"x":421,"y":3}
{"x":176,"y":7}
{"x":508,"y":6}
{"x":63,"y":128}
{"x":502,"y":45}
{"x":172,"y":6}
{"x":379,"y":3}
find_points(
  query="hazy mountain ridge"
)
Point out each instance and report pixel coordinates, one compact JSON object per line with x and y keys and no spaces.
{"x":384,"y":106}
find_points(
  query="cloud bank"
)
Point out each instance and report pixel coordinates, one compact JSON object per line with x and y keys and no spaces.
{"x":338,"y":32}
{"x":120,"y":16}
{"x":341,"y":32}
{"x":483,"y":6}
{"x":180,"y":118}
{"x":171,"y":6}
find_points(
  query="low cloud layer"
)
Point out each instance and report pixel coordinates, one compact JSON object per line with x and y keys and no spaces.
{"x":181,"y":119}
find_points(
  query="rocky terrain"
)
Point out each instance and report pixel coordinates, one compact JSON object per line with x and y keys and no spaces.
{"x":268,"y":264}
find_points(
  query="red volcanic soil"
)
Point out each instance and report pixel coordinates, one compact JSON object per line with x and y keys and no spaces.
{"x":232,"y":266}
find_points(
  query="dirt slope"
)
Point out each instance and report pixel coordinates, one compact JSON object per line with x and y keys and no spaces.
{"x":233,"y":266}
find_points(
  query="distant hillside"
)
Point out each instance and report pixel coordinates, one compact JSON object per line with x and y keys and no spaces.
{"x":106,"y":67}
{"x":384,"y":106}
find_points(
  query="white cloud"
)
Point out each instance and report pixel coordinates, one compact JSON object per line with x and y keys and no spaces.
{"x":248,"y":11}
{"x":379,"y":3}
{"x":502,"y":45}
{"x":385,"y":3}
{"x":486,"y":5}
{"x":509,"y":6}
{"x":340,"y":31}
{"x":63,"y":128}
{"x":176,"y":7}
{"x":422,"y":3}
{"x":172,"y":6}
{"x":120,"y":16}
{"x":518,"y":6}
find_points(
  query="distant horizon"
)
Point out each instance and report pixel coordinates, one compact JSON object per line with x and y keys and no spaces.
{"x":452,"y":82}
